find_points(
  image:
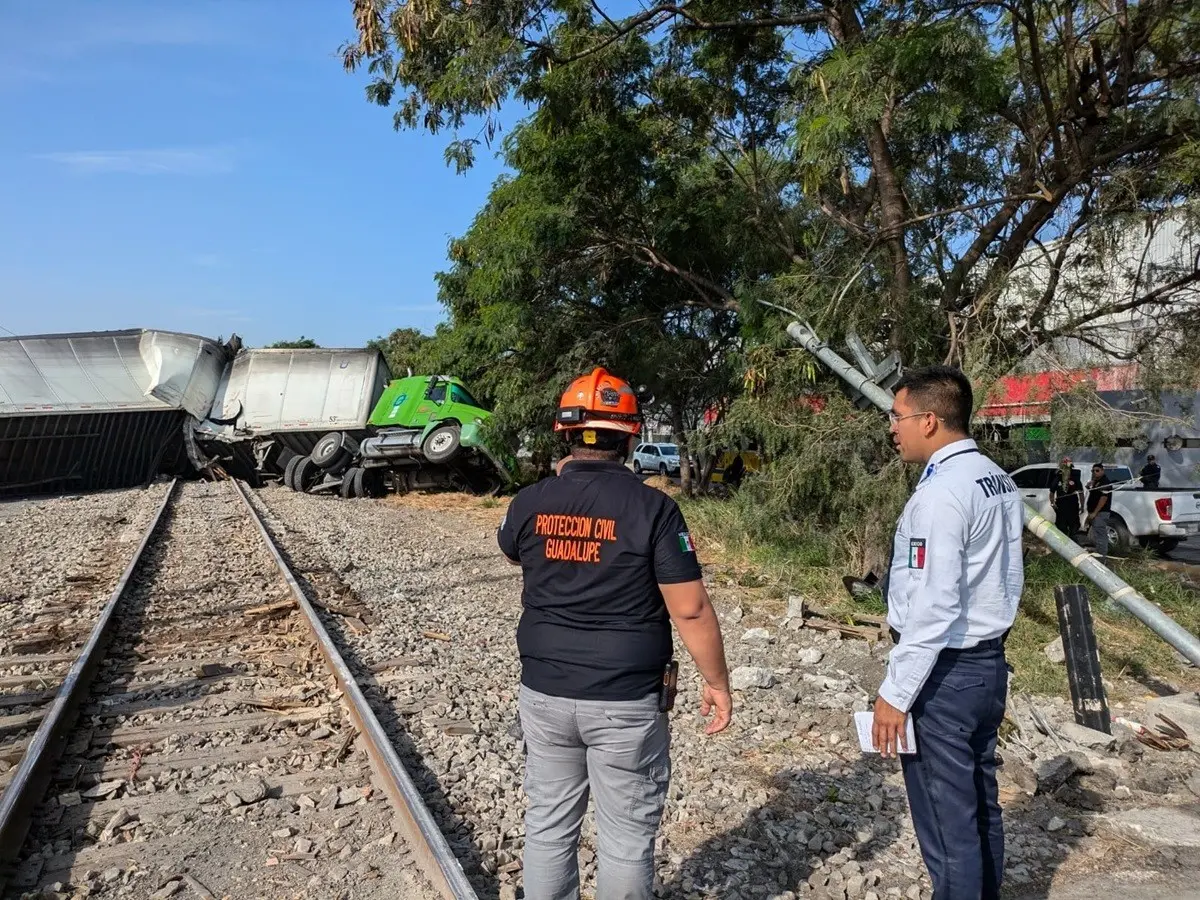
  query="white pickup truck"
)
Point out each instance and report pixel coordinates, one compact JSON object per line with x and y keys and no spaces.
{"x":1159,"y":519}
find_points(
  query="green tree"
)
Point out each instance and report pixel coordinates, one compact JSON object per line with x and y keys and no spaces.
{"x":574,"y":261}
{"x":930,"y":146}
{"x":300,"y":343}
{"x":404,"y":349}
{"x":926,"y":173}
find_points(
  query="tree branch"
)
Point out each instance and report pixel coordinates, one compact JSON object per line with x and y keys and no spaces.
{"x":1060,"y":258}
{"x":713,"y":295}
{"x":665,"y":11}
{"x":1159,"y":295}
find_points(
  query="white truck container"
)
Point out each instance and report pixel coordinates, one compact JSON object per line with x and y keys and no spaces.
{"x":1160,"y":519}
{"x":272,"y":405}
{"x":281,"y":391}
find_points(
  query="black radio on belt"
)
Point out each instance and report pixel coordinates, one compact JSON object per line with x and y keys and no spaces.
{"x":670,"y":687}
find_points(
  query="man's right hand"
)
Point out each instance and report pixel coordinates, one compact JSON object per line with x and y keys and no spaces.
{"x":715,"y":700}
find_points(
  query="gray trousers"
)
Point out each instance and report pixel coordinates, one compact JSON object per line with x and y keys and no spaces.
{"x":619,"y":752}
{"x":1099,"y":534}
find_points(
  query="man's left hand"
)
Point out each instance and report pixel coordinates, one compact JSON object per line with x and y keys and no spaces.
{"x":888,"y":734}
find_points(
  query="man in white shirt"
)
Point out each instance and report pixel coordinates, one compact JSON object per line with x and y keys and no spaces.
{"x":953,"y":587}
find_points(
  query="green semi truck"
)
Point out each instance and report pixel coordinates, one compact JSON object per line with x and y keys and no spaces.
{"x":425,"y":431}
{"x":336,"y":421}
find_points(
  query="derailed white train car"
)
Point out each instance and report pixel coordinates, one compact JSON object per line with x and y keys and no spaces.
{"x":100,"y":410}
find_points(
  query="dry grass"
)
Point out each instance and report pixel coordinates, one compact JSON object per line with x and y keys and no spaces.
{"x":662,"y":483}
{"x":485,"y":510}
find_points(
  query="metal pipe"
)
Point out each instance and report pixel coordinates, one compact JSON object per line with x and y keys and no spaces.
{"x":1091,"y":568}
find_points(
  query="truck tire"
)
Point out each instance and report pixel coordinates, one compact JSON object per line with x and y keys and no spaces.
{"x":348,"y":482}
{"x":290,"y":470}
{"x":1119,"y":538}
{"x":1161,"y":544}
{"x":330,"y":452}
{"x":305,"y":474}
{"x":442,"y":444}
{"x":372,"y":483}
{"x":637,"y":467}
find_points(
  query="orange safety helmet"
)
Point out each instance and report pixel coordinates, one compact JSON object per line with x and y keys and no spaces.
{"x":599,"y":400}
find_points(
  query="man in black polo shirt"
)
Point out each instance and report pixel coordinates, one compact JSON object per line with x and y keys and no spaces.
{"x":608,"y":564}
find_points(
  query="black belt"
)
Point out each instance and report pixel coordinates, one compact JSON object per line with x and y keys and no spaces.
{"x":990,"y":644}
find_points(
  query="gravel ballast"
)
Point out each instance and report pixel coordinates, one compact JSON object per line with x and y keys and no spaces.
{"x":781,"y":805}
{"x":212,"y":756}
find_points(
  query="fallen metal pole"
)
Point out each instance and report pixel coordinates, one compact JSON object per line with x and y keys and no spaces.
{"x":1091,"y":568}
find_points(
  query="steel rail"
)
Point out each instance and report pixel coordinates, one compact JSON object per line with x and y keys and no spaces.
{"x":1091,"y":568}
{"x":29,"y":783}
{"x":426,"y":840}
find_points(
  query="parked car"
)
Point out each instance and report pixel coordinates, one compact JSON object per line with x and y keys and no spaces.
{"x":1160,"y":518}
{"x":660,"y":458}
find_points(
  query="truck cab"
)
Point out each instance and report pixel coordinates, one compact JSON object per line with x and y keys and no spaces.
{"x":424,"y":431}
{"x":418,"y":400}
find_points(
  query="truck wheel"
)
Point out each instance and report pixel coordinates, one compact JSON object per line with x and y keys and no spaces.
{"x":442,"y":444}
{"x":662,"y":469}
{"x":305,"y":474}
{"x":1119,"y":538}
{"x":348,"y":482}
{"x":372,"y":483}
{"x":289,"y":471}
{"x":637,"y":467}
{"x":484,"y":484}
{"x":1161,"y":545}
{"x":330,"y":451}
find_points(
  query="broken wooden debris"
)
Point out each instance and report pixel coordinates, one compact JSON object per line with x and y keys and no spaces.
{"x":271,"y":609}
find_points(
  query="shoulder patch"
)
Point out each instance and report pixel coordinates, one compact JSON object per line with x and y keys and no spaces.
{"x":685,"y":543}
{"x":916,"y":553}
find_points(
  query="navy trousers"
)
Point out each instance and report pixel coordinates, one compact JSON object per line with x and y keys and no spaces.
{"x":951,"y":779}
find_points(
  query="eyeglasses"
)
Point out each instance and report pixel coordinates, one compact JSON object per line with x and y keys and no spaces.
{"x":894,"y":418}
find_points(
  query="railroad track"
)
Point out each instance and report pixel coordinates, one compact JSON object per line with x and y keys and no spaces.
{"x":209,"y":740}
{"x":59,"y":560}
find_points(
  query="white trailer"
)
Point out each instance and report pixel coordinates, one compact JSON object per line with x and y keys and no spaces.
{"x":272,"y":405}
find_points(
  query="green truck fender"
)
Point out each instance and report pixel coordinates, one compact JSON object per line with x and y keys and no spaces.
{"x":472,"y":436}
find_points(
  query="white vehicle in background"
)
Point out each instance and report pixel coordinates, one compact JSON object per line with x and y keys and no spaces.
{"x":660,"y":458}
{"x":1159,"y":519}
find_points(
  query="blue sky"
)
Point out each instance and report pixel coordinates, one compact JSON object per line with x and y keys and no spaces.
{"x":208,"y":167}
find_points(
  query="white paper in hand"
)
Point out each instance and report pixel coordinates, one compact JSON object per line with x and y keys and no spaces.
{"x":864,"y":724}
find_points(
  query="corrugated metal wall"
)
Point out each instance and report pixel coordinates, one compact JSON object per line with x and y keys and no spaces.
{"x":87,"y":451}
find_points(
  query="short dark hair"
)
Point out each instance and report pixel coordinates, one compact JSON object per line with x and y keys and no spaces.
{"x":608,"y":444}
{"x":942,"y":390}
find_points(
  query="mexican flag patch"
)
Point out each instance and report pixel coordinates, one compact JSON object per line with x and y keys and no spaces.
{"x":685,"y":543}
{"x":916,"y":553}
